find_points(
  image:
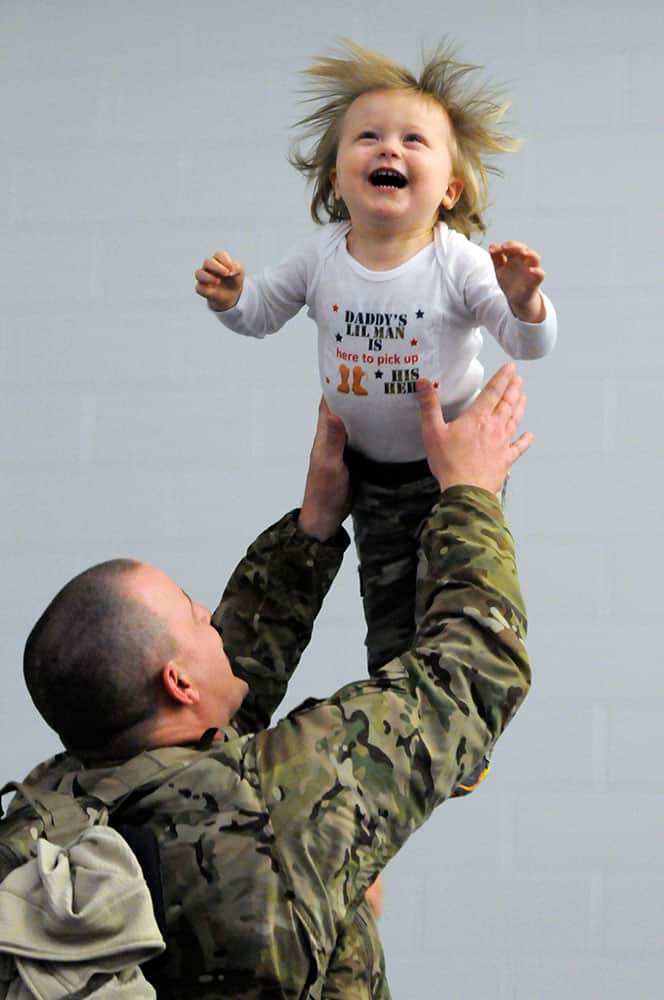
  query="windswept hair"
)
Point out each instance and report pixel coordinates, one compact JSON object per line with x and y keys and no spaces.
{"x":475,"y":110}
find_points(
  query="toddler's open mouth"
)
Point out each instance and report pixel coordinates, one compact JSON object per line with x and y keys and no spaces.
{"x":387,"y":178}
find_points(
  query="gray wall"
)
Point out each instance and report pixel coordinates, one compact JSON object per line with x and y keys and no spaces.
{"x":136,"y":138}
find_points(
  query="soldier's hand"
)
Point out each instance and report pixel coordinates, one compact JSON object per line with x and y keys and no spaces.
{"x":220,"y":281}
{"x":477,"y":449}
{"x":326,"y":501}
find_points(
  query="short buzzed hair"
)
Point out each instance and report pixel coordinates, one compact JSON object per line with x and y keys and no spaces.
{"x":474,"y":109}
{"x":92,"y":660}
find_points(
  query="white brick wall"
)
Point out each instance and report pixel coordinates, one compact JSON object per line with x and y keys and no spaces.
{"x":136,"y":138}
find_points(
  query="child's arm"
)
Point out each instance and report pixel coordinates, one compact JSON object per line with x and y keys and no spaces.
{"x":256,"y":305}
{"x":220,"y":280}
{"x":519,"y":275}
{"x":502,"y":293}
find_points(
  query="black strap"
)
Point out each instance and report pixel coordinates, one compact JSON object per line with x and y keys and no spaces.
{"x":363,"y":469}
{"x":144,"y":844}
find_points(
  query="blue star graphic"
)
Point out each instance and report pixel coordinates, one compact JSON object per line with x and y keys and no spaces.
{"x":378,"y":373}
{"x":339,"y":337}
{"x":419,"y":314}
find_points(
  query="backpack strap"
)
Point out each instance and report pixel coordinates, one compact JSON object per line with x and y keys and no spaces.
{"x":145,"y":846}
{"x":113,"y":786}
{"x":63,"y":816}
{"x":10,"y":786}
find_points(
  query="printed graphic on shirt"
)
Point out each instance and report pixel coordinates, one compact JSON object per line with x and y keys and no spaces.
{"x":375,"y":353}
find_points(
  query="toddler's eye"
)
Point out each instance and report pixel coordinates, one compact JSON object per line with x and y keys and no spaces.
{"x":414,"y":137}
{"x":368,"y":134}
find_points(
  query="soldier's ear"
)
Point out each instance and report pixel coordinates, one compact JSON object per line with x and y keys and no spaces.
{"x":178,"y":686}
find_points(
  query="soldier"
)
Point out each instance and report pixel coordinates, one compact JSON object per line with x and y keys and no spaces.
{"x":270,"y":836}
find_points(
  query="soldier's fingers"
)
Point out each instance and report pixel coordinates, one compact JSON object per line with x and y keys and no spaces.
{"x":335,"y":432}
{"x":510,"y":398}
{"x":330,"y":428}
{"x":517,"y":415}
{"x":505,"y":412}
{"x":521,"y":445}
{"x":431,"y":413}
{"x":321,"y":421}
{"x":494,"y":390}
{"x":512,"y":392}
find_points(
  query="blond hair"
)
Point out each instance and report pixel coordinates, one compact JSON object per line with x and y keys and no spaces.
{"x":334,"y":82}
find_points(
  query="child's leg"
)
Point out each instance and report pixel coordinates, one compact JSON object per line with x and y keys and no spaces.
{"x":386,"y":520}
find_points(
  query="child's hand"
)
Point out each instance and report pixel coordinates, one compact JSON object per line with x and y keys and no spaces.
{"x":519,"y":275}
{"x":220,"y":281}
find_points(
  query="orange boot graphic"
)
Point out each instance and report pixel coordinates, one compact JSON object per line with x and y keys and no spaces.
{"x":358,"y":375}
{"x":344,"y":372}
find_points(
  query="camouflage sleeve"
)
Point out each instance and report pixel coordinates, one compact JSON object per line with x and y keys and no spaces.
{"x":357,"y":966}
{"x":349,"y":779}
{"x":268,"y":608}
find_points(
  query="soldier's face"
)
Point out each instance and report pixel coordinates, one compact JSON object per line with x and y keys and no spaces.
{"x":199,"y":648}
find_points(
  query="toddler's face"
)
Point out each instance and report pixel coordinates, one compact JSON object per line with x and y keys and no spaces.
{"x":394,"y":161}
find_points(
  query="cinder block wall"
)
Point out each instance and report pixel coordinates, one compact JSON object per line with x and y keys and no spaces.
{"x":138,"y":137}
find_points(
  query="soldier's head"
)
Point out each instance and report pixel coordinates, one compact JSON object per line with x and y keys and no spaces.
{"x":122,"y":659}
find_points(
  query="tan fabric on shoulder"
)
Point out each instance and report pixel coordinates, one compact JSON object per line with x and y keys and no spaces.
{"x":74,"y":913}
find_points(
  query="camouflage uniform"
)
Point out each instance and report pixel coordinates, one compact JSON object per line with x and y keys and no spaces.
{"x":390,"y":504}
{"x":269,"y":839}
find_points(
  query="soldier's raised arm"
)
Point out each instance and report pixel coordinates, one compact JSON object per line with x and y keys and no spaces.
{"x":351,"y":777}
{"x":268,"y":608}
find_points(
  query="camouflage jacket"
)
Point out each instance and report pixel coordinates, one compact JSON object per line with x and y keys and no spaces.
{"x":269,"y":839}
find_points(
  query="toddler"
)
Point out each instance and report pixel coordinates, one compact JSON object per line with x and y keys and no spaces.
{"x":399,"y":167}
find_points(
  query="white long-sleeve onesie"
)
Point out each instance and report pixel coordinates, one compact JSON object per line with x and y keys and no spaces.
{"x":379,"y":331}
